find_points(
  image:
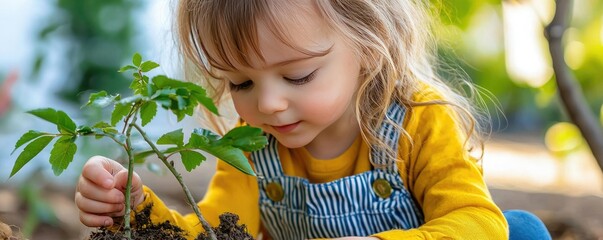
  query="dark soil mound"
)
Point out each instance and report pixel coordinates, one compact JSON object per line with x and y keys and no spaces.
{"x":142,"y":229}
{"x":228,"y":229}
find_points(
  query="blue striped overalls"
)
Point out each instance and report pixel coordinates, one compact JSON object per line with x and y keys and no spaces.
{"x":358,"y":205}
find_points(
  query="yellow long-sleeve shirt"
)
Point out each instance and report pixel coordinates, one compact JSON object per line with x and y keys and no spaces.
{"x":445,"y":181}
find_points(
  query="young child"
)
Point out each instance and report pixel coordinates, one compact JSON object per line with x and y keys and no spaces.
{"x":364,"y":139}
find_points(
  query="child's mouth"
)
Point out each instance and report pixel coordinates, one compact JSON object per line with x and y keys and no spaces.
{"x":286,"y":128}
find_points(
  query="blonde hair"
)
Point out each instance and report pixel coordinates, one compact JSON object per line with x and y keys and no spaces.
{"x":392,"y":38}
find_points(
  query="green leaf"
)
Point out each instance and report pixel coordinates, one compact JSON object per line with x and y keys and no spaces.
{"x":148,"y":66}
{"x":130,"y":100}
{"x":181,"y":102}
{"x":243,"y":132}
{"x":141,"y":156}
{"x":136,"y":59}
{"x":94,"y":96}
{"x":59,"y":118}
{"x":162,"y":82}
{"x":191,"y":159}
{"x":102,"y":124}
{"x":197,"y":92}
{"x":101,"y":99}
{"x":62,"y":154}
{"x":231,"y":155}
{"x":174,"y":137}
{"x":147,"y":112}
{"x":65,"y":123}
{"x":246,"y":138}
{"x":183,"y":92}
{"x":136,"y":86}
{"x":207,"y":136}
{"x":102,"y":128}
{"x":179,"y":115}
{"x":190,"y":110}
{"x":172,"y":150}
{"x":250,"y":144}
{"x":28,"y":136}
{"x":126,"y":68}
{"x":206,"y":102}
{"x":47,"y":114}
{"x":84,"y":130}
{"x":150,"y":90}
{"x":204,"y":140}
{"x":119,"y":113}
{"x":162,"y":93}
{"x":30,"y":151}
{"x":165,"y":102}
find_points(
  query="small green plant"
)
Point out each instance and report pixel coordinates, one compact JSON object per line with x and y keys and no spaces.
{"x":180,"y":98}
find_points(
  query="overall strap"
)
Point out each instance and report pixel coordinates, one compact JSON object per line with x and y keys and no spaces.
{"x":389,"y":134}
{"x":267,"y":161}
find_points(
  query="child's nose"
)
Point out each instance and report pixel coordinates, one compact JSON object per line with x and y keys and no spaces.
{"x":271,"y":101}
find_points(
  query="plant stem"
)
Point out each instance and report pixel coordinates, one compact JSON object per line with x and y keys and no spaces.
{"x":191,"y":201}
{"x":128,"y":147}
{"x":115,"y":140}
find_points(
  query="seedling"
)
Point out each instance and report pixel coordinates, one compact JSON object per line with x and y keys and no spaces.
{"x":134,"y":112}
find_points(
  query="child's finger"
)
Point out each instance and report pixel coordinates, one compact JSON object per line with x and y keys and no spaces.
{"x":93,"y":220}
{"x":96,"y":207}
{"x":100,"y":170}
{"x":87,"y":189}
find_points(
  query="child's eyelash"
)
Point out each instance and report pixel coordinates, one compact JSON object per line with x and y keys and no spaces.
{"x":236,"y":87}
{"x":303,"y":80}
{"x":299,"y":81}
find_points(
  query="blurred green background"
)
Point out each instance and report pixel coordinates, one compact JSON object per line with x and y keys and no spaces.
{"x":52,"y":53}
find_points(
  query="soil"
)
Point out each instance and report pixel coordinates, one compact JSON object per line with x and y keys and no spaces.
{"x":143,"y":229}
{"x":228,"y":229}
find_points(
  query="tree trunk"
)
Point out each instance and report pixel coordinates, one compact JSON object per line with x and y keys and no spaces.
{"x":569,"y":90}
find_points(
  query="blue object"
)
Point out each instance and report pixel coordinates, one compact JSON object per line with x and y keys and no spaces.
{"x":524,"y":225}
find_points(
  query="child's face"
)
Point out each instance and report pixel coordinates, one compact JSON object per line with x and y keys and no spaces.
{"x":301,"y":100}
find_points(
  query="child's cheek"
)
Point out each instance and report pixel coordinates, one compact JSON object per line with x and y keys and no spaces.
{"x":246,"y":111}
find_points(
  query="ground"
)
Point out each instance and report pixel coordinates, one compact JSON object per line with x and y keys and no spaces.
{"x":566,"y":194}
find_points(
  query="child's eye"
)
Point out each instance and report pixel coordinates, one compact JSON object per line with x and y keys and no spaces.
{"x":303,"y":80}
{"x":237,"y":87}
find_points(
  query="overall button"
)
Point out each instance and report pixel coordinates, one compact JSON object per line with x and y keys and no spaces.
{"x":274,"y":191}
{"x":382,"y":188}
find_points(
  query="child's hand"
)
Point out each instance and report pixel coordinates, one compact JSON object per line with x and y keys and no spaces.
{"x":100,"y":191}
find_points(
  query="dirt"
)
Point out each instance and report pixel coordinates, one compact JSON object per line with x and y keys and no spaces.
{"x":228,"y":229}
{"x":143,"y":229}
